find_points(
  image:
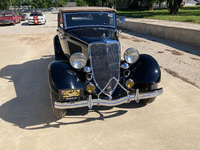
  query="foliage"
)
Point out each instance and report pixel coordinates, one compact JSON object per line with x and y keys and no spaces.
{"x":80,"y":2}
{"x":4,"y":4}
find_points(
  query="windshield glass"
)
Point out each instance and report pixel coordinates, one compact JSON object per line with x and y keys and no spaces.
{"x":35,"y":14}
{"x":85,"y":19}
{"x":7,"y":15}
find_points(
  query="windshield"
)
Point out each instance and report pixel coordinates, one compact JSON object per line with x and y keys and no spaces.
{"x":7,"y":15}
{"x":35,"y":14}
{"x":85,"y":19}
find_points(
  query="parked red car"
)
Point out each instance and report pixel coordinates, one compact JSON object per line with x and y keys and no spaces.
{"x":20,"y":18}
{"x":9,"y":18}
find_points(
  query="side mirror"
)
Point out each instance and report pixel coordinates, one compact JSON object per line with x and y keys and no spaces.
{"x":121,"y":20}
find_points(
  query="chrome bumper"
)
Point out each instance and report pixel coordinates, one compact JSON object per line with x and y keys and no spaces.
{"x":5,"y":22}
{"x":103,"y":102}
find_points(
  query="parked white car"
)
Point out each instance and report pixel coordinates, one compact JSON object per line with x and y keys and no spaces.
{"x":36,"y":18}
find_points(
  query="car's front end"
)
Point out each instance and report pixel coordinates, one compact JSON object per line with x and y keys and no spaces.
{"x":90,"y":68}
{"x":104,"y":79}
{"x":6,"y":19}
{"x":108,"y":80}
{"x":36,"y":18}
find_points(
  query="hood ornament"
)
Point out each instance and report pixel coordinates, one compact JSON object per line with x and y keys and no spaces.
{"x":104,"y":37}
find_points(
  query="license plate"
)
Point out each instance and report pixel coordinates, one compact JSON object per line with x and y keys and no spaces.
{"x":70,"y":93}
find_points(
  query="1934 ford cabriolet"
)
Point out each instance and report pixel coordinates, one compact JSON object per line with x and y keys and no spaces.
{"x":88,"y":69}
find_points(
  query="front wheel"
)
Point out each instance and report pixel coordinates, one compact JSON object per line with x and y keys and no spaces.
{"x":150,"y":100}
{"x":59,"y":113}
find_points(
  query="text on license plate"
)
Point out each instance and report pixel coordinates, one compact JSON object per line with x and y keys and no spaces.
{"x":71,"y":93}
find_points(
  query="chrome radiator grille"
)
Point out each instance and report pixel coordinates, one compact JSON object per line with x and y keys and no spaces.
{"x":105,"y":62}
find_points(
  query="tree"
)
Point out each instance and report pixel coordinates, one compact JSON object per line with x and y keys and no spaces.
{"x":80,"y":2}
{"x":49,"y":3}
{"x":4,"y":4}
{"x":174,"y":5}
{"x":93,"y":2}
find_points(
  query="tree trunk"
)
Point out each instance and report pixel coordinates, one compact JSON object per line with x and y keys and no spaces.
{"x":151,"y":6}
{"x":174,"y":6}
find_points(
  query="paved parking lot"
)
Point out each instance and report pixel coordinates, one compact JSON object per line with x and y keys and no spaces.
{"x":27,"y":122}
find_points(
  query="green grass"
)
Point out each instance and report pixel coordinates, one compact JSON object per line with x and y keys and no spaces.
{"x":186,"y":14}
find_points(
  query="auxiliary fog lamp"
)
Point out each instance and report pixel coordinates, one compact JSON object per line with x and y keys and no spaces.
{"x":129,"y":83}
{"x":90,"y":88}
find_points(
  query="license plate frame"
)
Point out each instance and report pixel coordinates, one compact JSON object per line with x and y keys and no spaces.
{"x":70,"y":93}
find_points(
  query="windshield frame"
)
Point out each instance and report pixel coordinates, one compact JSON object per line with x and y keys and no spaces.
{"x":82,"y":26}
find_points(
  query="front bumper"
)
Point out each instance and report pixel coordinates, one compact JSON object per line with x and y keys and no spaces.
{"x":6,"y":21}
{"x":36,"y":21}
{"x":103,"y":102}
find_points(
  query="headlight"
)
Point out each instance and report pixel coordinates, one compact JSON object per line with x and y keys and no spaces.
{"x":131,"y":55}
{"x":78,"y":60}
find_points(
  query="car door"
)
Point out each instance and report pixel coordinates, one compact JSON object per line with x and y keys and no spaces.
{"x":62,"y":35}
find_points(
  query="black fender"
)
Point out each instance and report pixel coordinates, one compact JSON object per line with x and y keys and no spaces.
{"x":146,"y":70}
{"x":62,"y":76}
{"x":59,"y":54}
{"x":57,"y":46}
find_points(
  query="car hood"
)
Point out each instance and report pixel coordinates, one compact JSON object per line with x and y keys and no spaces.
{"x":35,"y":17}
{"x":90,"y":35}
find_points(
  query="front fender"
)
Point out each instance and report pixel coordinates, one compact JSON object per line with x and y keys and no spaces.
{"x":62,"y":76}
{"x":146,"y":70}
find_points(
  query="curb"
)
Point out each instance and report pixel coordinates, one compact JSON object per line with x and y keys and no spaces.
{"x":178,"y":34}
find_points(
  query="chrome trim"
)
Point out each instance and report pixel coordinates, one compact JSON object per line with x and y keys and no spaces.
{"x":127,"y":73}
{"x":90,"y":57}
{"x":103,"y":102}
{"x":125,"y":66}
{"x":89,"y":76}
{"x":110,"y":94}
{"x":90,"y":104}
{"x":87,"y":69}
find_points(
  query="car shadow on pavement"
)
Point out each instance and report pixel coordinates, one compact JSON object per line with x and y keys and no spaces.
{"x":5,"y":25}
{"x":25,"y":24}
{"x":173,"y":44}
{"x":31,"y":108}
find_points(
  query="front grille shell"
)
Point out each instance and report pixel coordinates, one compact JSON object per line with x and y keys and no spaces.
{"x":105,"y":63}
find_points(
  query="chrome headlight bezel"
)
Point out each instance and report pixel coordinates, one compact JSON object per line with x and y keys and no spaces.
{"x":131,"y":55}
{"x":78,"y":60}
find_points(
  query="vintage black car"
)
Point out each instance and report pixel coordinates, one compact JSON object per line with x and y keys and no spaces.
{"x":88,"y":69}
